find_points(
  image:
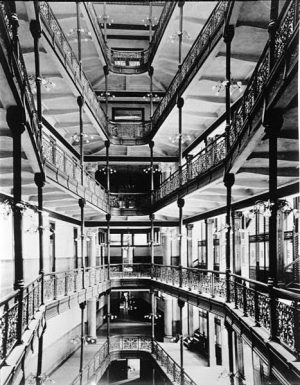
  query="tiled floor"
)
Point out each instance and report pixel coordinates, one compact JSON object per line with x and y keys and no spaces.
{"x":194,"y":365}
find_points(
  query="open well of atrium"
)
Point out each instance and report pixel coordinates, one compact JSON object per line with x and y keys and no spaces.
{"x":149,"y":192}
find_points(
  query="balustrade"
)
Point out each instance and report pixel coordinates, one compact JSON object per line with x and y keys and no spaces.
{"x":129,"y":62}
{"x":60,"y":41}
{"x":249,"y":297}
{"x":57,"y":157}
{"x":131,"y":132}
{"x":215,"y":153}
{"x":18,"y":68}
{"x":129,"y":201}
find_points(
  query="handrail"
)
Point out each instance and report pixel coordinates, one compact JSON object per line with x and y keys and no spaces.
{"x":244,"y":294}
{"x":129,"y":200}
{"x":60,"y":40}
{"x":18,"y":68}
{"x":292,"y":263}
{"x":56,"y":155}
{"x":170,"y":365}
{"x":205,"y":37}
{"x":129,"y":62}
{"x":129,"y":132}
{"x":216,"y":154}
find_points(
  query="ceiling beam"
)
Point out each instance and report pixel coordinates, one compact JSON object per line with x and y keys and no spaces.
{"x":127,"y":159}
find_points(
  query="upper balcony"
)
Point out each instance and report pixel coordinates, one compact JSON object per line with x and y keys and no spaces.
{"x":128,"y":61}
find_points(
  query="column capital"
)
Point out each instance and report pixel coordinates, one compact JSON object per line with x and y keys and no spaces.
{"x":228,"y":33}
{"x":228,"y":179}
{"x":80,"y":101}
{"x":273,"y":121}
{"x":181,"y":3}
{"x":15,"y":118}
{"x":181,"y":303}
{"x":152,"y":217}
{"x":108,"y":217}
{"x":35,"y":29}
{"x":150,"y":70}
{"x":180,"y":202}
{"x":81,"y":202}
{"x":39,"y":179}
{"x":106,"y":70}
{"x":189,"y":157}
{"x":189,"y":226}
{"x":107,"y":143}
{"x":151,"y":144}
{"x":82,"y":305}
{"x":180,"y":102}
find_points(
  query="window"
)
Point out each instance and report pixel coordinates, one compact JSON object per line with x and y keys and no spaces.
{"x":140,"y":239}
{"x":115,"y":239}
{"x":128,"y":114}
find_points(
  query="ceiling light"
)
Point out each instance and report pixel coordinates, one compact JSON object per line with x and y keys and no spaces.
{"x":175,"y":139}
{"x":186,"y":37}
{"x":221,"y":85}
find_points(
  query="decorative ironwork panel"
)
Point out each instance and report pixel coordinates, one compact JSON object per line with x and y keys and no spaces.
{"x":219,"y":286}
{"x":60,"y":284}
{"x":286,"y":324}
{"x":49,"y":287}
{"x":264,"y":310}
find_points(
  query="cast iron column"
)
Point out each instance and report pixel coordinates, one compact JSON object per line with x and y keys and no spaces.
{"x":108,"y":319}
{"x":273,"y":123}
{"x":181,"y":305}
{"x":108,"y":218}
{"x":15,"y":117}
{"x":82,"y":340}
{"x":152,"y":217}
{"x":228,"y":181}
{"x":180,"y":204}
{"x":228,"y":36}
{"x":151,"y":145}
{"x":39,"y":179}
{"x":81,"y":203}
{"x":150,"y":72}
{"x":36,"y":31}
{"x":180,"y":103}
{"x":78,"y":37}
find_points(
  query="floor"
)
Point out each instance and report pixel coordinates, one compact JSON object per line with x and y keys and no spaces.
{"x":194,"y":365}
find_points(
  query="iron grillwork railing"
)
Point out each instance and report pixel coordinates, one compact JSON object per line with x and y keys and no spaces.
{"x":9,"y":23}
{"x":129,"y":133}
{"x":215,"y":153}
{"x":56,"y":157}
{"x":60,"y":41}
{"x":127,"y":201}
{"x":209,"y":34}
{"x":251,"y":298}
{"x":130,"y":62}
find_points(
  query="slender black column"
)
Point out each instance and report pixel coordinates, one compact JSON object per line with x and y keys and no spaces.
{"x":81,"y":203}
{"x":151,"y":145}
{"x":39,"y":179}
{"x":230,"y":351}
{"x":181,"y":305}
{"x":106,"y":73}
{"x":273,"y":123}
{"x":108,"y":218}
{"x":82,"y":340}
{"x":78,"y":36}
{"x":180,"y":103}
{"x":150,"y":72}
{"x":107,"y":145}
{"x":36,"y":31}
{"x":80,"y":102}
{"x":228,"y":181}
{"x":153,"y":314}
{"x":39,"y":380}
{"x":180,"y":5}
{"x":180,"y":204}
{"x":16,"y":122}
{"x":152,"y":217}
{"x":228,"y":36}
{"x":108,"y":315}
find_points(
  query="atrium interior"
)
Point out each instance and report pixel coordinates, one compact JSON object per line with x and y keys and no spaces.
{"x":149,"y":192}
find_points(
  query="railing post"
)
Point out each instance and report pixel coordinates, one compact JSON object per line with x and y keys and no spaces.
{"x":256,"y":307}
{"x":212,"y":285}
{"x":228,"y":182}
{"x":245,"y":308}
{"x":296,"y":331}
{"x":15,"y":118}
{"x":236,"y":306}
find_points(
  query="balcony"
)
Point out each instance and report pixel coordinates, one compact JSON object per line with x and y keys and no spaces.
{"x":131,"y":133}
{"x":129,"y":62}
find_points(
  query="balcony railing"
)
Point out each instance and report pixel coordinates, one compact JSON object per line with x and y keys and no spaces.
{"x":131,"y":133}
{"x":64,"y":164}
{"x":215,"y":153}
{"x":60,"y":41}
{"x":205,"y":41}
{"x":18,"y":68}
{"x":206,"y":159}
{"x":101,"y":360}
{"x":126,"y":202}
{"x":129,"y":62}
{"x":249,"y":298}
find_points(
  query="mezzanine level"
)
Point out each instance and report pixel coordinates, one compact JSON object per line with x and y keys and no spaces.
{"x":245,"y":304}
